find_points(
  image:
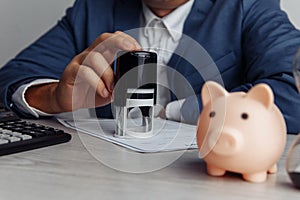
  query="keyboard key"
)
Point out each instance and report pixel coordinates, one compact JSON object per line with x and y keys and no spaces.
{"x":46,"y":132}
{"x":3,"y":141}
{"x":17,"y":134}
{"x":7,"y":126}
{"x":58,"y":131}
{"x":25,"y":137}
{"x":17,"y":129}
{"x":33,"y":133}
{"x":2,"y":135}
{"x":6,"y":131}
{"x":9,"y":138}
{"x":27,"y":127}
{"x":14,"y":139}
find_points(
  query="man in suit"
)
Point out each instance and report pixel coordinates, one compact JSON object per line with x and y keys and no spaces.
{"x":250,"y":41}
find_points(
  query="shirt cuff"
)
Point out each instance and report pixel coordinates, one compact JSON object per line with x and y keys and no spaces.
{"x":19,"y":98}
{"x":173,"y":110}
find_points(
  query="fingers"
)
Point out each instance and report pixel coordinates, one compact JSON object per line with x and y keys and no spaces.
{"x":117,"y":40}
{"x":92,"y":69}
{"x":89,"y":76}
{"x":108,"y":44}
{"x":108,"y":79}
{"x":128,"y":40}
{"x":98,"y":63}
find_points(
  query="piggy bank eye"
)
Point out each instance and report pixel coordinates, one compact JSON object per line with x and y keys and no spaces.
{"x":212,"y":114}
{"x":245,"y":116}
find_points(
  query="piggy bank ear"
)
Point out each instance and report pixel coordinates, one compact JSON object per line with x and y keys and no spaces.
{"x":212,"y":90}
{"x":262,"y":93}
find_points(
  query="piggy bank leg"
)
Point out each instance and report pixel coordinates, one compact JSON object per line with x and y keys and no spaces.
{"x":256,"y":177}
{"x":215,"y":171}
{"x":273,"y":169}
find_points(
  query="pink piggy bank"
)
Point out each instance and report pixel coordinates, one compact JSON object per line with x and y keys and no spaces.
{"x":240,"y":132}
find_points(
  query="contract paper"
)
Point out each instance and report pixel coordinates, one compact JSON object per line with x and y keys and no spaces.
{"x":169,"y":135}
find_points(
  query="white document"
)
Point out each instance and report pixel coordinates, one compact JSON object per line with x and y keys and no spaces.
{"x":169,"y":135}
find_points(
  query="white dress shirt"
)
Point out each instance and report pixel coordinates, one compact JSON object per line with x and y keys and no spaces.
{"x":161,"y":35}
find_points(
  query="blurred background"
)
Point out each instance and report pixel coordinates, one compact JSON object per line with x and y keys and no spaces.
{"x":23,"y":21}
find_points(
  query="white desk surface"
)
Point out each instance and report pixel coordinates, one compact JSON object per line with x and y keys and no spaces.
{"x":68,"y":171}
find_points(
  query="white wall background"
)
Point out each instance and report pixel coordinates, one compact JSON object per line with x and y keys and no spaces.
{"x":22,"y":21}
{"x":292,"y":7}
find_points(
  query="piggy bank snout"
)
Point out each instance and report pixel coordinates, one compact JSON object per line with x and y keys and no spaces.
{"x":229,"y":142}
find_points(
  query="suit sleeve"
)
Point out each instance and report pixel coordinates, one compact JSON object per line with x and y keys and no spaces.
{"x":269,"y":43}
{"x":45,"y":58}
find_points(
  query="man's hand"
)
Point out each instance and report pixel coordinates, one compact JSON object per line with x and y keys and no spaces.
{"x":87,"y":81}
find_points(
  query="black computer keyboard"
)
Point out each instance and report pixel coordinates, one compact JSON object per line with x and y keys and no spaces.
{"x":17,"y":135}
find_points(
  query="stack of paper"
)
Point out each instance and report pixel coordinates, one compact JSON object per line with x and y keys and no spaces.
{"x":169,"y":135}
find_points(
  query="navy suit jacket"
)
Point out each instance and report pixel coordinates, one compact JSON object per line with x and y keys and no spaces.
{"x":250,"y":41}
